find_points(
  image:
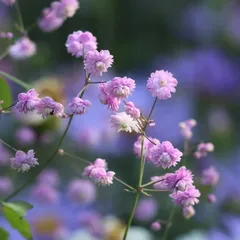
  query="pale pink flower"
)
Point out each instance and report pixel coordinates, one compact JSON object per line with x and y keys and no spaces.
{"x":161,"y":84}
{"x":210,"y":176}
{"x":186,"y":128}
{"x":165,"y":155}
{"x":131,"y":110}
{"x":203,"y":149}
{"x":156,"y":226}
{"x":188,"y":211}
{"x":146,"y":209}
{"x":78,"y":106}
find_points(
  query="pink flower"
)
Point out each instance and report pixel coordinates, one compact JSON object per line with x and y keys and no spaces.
{"x":49,"y":177}
{"x":22,"y":49}
{"x":121,"y":87}
{"x":161,"y":84}
{"x":180,"y":179}
{"x":187,"y":197}
{"x":96,"y":63}
{"x":8,"y":2}
{"x":47,"y":106}
{"x":146,"y":209}
{"x":8,"y":35}
{"x":45,"y":193}
{"x":106,"y":99}
{"x":4,"y":155}
{"x":210,"y":176}
{"x":165,"y":155}
{"x":98,"y":172}
{"x":188,"y":211}
{"x":80,"y":43}
{"x":22,"y":161}
{"x":124,"y":122}
{"x":78,"y":106}
{"x":212,"y":198}
{"x":203,"y":149}
{"x":147,"y":146}
{"x":186,"y":128}
{"x":6,"y":185}
{"x":27,"y":101}
{"x":81,"y":191}
{"x":131,"y":110}
{"x":50,"y":21}
{"x":156,"y":226}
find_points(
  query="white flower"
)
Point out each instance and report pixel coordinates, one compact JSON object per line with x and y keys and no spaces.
{"x":124,"y":122}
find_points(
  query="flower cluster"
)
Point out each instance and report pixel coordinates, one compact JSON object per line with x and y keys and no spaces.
{"x":23,"y":48}
{"x":98,"y":172}
{"x":186,"y":128}
{"x":113,"y":91}
{"x":54,"y":16}
{"x":44,"y":106}
{"x":203,"y":149}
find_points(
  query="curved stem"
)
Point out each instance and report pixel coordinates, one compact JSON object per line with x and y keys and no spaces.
{"x":169,"y":223}
{"x":15,"y":80}
{"x":21,"y":25}
{"x":4,"y":54}
{"x":131,"y":215}
{"x":9,"y":146}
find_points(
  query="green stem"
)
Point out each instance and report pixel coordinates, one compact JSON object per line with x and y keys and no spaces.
{"x":131,"y":215}
{"x":150,"y":114}
{"x":4,"y":54}
{"x":9,"y":146}
{"x":21,"y":25}
{"x":15,"y":80}
{"x":169,"y":223}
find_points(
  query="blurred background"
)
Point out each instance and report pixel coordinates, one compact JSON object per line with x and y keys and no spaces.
{"x":199,"y":42}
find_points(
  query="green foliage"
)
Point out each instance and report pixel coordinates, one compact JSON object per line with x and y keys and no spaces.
{"x":14,"y":212}
{"x":4,"y":235}
{"x":5,"y":93}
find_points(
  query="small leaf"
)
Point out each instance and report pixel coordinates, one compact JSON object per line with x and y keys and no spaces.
{"x":20,"y":207}
{"x":17,"y":222}
{"x":4,"y":235}
{"x":5,"y":93}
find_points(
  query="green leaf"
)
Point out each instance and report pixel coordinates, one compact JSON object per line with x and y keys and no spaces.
{"x":17,"y":222}
{"x":5,"y":93}
{"x":20,"y":207}
{"x":4,"y":235}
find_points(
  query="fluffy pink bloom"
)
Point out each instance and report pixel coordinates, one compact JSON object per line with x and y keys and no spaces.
{"x":25,"y":135}
{"x":22,"y":49}
{"x":188,"y":211}
{"x":96,"y":63}
{"x":180,"y":179}
{"x":47,"y":106}
{"x":203,"y":149}
{"x":106,"y":99}
{"x":49,"y":177}
{"x":160,"y":183}
{"x":80,"y":43}
{"x":121,"y":87}
{"x":210,"y":176}
{"x":131,"y":110}
{"x":82,"y":191}
{"x":45,"y":193}
{"x":187,"y":197}
{"x":50,"y":21}
{"x":161,"y":84}
{"x":22,"y":161}
{"x":78,"y":106}
{"x":146,"y":209}
{"x":124,"y":122}
{"x":98,"y":172}
{"x":6,"y":185}
{"x":27,"y":101}
{"x":8,"y":2}
{"x":156,"y":226}
{"x":186,"y":128}
{"x":147,"y":146}
{"x":165,"y":155}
